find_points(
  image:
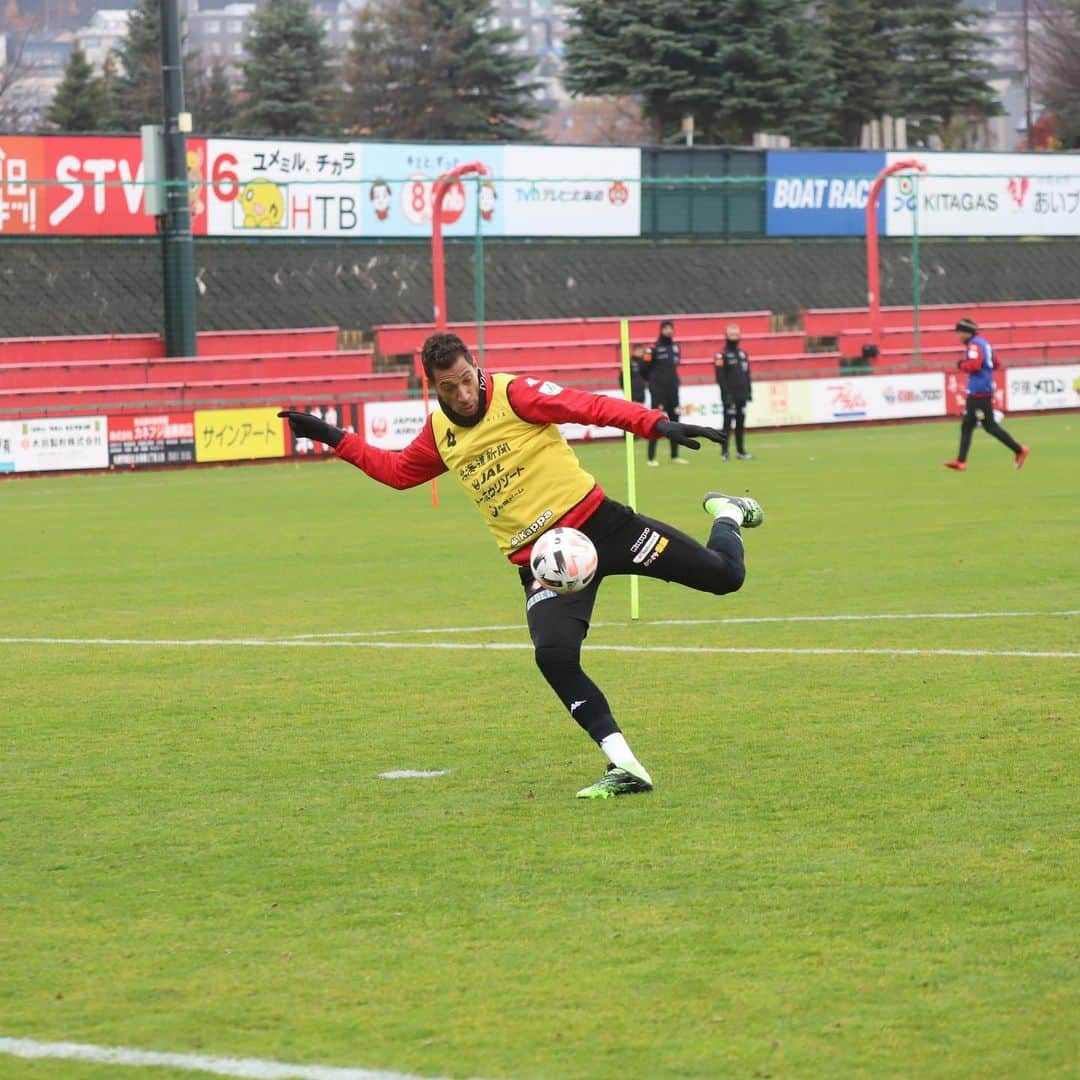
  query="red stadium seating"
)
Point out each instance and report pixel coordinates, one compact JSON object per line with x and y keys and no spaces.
{"x":149,"y":346}
{"x":944,"y":358}
{"x":405,"y":338}
{"x":294,"y":339}
{"x":91,"y":347}
{"x":699,"y":370}
{"x":208,"y":391}
{"x":999,"y":334}
{"x":831,"y":322}
{"x":254,"y":368}
{"x":564,"y":356}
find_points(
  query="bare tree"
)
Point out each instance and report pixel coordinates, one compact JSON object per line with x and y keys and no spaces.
{"x":1055,"y":49}
{"x":15,"y":69}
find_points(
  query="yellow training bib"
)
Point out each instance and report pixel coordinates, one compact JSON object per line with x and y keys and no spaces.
{"x":522,"y":476}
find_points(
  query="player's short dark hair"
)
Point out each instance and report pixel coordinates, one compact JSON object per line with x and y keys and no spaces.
{"x":667,"y":322}
{"x":441,"y":352}
{"x":967,"y":326}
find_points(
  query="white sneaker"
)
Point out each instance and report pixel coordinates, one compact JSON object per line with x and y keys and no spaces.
{"x":653,"y":464}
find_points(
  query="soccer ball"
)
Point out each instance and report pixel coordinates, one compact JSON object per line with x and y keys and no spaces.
{"x":564,"y":560}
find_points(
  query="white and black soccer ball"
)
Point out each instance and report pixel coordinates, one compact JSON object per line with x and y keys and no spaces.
{"x":564,"y":560}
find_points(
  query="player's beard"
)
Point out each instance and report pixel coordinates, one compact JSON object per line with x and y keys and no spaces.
{"x":481,"y":405}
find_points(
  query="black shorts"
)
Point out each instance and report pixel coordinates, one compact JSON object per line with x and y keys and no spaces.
{"x":631,"y":543}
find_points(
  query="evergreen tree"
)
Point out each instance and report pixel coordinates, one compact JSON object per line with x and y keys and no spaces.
{"x":136,"y":87}
{"x":942,"y":85}
{"x":739,"y":66}
{"x":108,"y":90}
{"x":287,"y":81}
{"x":79,"y":103}
{"x":862,"y":63}
{"x":210,"y":98}
{"x":436,"y":69}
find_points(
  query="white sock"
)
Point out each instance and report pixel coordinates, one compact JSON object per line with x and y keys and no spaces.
{"x":730,"y":512}
{"x":622,"y":757}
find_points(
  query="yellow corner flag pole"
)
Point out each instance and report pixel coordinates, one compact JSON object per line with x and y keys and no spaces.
{"x":631,"y":479}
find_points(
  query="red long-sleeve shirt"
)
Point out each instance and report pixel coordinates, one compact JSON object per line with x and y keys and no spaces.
{"x":532,"y":400}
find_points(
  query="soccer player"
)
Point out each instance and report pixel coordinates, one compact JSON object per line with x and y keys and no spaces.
{"x":978,"y":362}
{"x":497,"y":434}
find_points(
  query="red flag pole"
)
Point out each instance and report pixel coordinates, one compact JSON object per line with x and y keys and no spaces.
{"x":873,"y":282}
{"x":438,"y":265}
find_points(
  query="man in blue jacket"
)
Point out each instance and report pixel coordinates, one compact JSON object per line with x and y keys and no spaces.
{"x":978,"y":362}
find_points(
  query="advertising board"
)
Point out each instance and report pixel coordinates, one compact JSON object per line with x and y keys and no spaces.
{"x":157,"y":439}
{"x":1042,"y":387}
{"x":820,"y":193}
{"x":878,"y":397}
{"x":47,"y":444}
{"x":986,"y":195}
{"x":238,"y":434}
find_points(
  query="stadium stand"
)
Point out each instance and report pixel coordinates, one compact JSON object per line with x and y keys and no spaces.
{"x":114,"y":371}
{"x":255,"y":368}
{"x":831,"y":322}
{"x":116,"y":396}
{"x":148,"y":346}
{"x":297,"y":364}
{"x":404,"y":339}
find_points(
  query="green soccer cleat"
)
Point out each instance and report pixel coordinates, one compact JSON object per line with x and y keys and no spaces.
{"x":614,"y":782}
{"x":750,"y":510}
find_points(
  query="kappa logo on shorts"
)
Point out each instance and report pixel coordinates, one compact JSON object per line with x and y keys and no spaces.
{"x":654,"y":538}
{"x":544,"y":594}
{"x":640,"y":540}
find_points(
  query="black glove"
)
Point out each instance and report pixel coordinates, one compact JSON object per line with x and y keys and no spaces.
{"x":306,"y":426}
{"x":684,"y":434}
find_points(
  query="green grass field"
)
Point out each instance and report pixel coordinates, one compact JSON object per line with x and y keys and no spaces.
{"x":856,"y":864}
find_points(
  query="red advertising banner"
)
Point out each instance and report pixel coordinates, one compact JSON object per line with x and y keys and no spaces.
{"x":956,"y":392}
{"x":339,"y":414}
{"x":157,"y":439}
{"x":87,"y":185}
{"x":21,"y":160}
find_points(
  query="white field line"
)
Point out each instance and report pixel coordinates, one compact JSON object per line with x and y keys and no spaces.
{"x":492,"y":646}
{"x":705,"y":622}
{"x":254,"y":1068}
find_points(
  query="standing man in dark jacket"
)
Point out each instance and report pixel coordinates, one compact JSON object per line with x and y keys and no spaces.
{"x":978,"y":362}
{"x":664,"y":384}
{"x":733,"y":376}
{"x":639,"y":372}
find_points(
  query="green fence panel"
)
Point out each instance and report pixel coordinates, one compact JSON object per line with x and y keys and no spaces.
{"x":715,"y":207}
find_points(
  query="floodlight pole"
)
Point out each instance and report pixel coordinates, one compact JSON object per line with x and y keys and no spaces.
{"x":873,"y":280}
{"x":177,"y":247}
{"x":438,"y":266}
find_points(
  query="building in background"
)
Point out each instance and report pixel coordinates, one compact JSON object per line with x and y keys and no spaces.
{"x":217,"y":29}
{"x":1013,"y":68}
{"x":103,"y":34}
{"x":33,"y":63}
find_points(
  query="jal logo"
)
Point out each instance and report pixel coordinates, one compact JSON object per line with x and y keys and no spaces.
{"x":1018,"y":189}
{"x":379,"y":426}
